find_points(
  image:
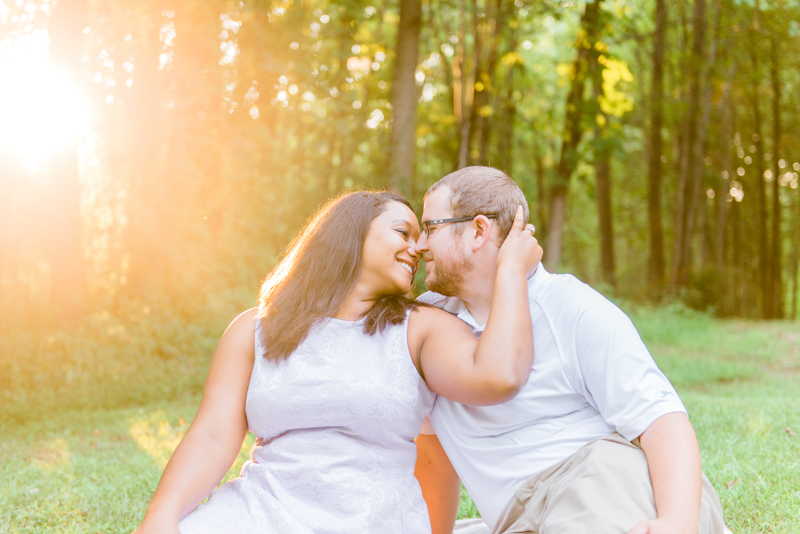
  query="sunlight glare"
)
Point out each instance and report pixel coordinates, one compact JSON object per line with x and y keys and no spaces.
{"x":40,"y":108}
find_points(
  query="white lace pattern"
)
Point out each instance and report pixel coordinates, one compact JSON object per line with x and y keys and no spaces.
{"x":335,"y":453}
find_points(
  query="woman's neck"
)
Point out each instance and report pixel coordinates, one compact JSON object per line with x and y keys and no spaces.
{"x":355,"y":305}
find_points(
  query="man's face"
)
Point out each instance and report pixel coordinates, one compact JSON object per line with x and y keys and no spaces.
{"x":446,"y":263}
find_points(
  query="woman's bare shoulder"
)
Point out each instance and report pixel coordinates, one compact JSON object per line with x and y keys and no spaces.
{"x":240,"y":334}
{"x":431,"y":317}
{"x":428,"y":312}
{"x":245,"y":320}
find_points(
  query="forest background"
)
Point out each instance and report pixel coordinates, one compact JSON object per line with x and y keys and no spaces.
{"x":171,"y":150}
{"x":157,"y":156}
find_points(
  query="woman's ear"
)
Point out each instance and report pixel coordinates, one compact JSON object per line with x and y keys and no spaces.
{"x":483,"y":229}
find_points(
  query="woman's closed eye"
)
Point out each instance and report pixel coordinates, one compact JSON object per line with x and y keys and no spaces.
{"x":402,"y":232}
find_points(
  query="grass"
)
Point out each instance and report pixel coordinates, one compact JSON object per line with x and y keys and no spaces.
{"x":91,"y":462}
{"x":90,"y":471}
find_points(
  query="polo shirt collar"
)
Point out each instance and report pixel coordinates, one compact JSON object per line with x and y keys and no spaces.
{"x":537,"y":281}
{"x":457,"y":307}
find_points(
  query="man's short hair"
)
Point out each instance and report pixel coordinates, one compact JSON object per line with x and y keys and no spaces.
{"x":481,"y":190}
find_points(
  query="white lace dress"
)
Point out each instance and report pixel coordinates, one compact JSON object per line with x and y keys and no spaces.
{"x":335,"y":451}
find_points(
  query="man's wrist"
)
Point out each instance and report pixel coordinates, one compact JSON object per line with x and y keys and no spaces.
{"x":511,"y":268}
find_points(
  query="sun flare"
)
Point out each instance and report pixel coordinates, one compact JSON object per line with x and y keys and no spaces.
{"x":40,"y":108}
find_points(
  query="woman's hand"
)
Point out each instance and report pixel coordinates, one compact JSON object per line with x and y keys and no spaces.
{"x":159,"y":529}
{"x":521,"y":248}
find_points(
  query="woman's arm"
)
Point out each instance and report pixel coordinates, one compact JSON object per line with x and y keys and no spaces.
{"x":493,"y":369}
{"x":215,"y":436}
{"x":441,"y":487}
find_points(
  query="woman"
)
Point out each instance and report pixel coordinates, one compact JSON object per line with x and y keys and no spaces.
{"x":334,"y":373}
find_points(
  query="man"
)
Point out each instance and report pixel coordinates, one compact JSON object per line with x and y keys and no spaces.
{"x":576,"y":450}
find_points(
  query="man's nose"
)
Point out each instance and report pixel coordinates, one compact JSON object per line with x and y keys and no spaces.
{"x":422,"y":243}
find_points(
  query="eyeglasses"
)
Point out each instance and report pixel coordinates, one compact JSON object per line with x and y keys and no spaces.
{"x":426,"y":225}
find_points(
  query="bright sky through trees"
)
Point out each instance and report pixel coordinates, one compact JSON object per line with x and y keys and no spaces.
{"x":199,"y":132}
{"x":40,"y":109}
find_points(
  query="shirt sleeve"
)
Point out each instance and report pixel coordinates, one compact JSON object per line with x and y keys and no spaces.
{"x":620,"y":377}
{"x":427,"y":427}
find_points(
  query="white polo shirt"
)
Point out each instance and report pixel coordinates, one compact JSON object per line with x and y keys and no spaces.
{"x":591,"y":376}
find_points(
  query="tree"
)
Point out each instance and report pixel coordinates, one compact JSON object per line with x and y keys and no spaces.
{"x":64,"y":193}
{"x":689,"y":153}
{"x":602,"y":147}
{"x":775,"y":300}
{"x":655,"y":266}
{"x":572,"y":133}
{"x":764,"y":271}
{"x":404,"y":95}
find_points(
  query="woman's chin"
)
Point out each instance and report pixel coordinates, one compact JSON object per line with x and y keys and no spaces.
{"x":399,"y":289}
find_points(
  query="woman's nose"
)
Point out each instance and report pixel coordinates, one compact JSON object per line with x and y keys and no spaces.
{"x":413,"y":246}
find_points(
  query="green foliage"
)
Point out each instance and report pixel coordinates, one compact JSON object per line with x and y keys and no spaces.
{"x":114,"y":360}
{"x":466,"y":508}
{"x":218,"y":127}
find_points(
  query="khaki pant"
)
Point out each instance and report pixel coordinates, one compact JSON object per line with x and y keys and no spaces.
{"x":604,"y":488}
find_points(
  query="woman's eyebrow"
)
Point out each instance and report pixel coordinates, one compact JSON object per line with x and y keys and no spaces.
{"x":404,"y":221}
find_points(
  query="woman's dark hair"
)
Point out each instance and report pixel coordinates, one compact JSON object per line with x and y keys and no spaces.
{"x":320,"y":269}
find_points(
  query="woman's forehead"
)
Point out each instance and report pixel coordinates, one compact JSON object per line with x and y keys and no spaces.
{"x":396,"y":210}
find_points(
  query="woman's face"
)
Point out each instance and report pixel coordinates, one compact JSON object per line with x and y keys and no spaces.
{"x":390,"y":260}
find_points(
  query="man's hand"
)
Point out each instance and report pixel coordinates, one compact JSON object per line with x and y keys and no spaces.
{"x":520,"y":247}
{"x":658,"y":526}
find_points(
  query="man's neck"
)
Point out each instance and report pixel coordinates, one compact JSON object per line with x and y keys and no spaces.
{"x":477,"y":294}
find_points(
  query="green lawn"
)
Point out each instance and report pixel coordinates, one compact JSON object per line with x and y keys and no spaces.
{"x":93,"y":470}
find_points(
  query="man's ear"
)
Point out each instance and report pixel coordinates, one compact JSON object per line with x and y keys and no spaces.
{"x":483,"y":229}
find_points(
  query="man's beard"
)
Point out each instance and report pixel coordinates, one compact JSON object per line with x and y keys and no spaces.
{"x":448,"y":275}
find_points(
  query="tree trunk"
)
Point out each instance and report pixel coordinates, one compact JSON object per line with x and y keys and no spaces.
{"x":484,"y":107}
{"x":795,"y":259}
{"x":602,"y":168}
{"x":687,"y":181}
{"x":602,"y":171}
{"x":541,"y":188}
{"x":464,"y":87}
{"x":149,"y":232}
{"x":568,"y":161}
{"x":776,"y":302}
{"x":703,"y":244}
{"x":738,"y":284}
{"x":795,"y":269}
{"x":404,"y":95}
{"x":699,"y":148}
{"x":655,"y":270}
{"x":723,"y":276}
{"x":509,"y":111}
{"x":66,"y":247}
{"x":764,"y":278}
{"x":795,"y":262}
